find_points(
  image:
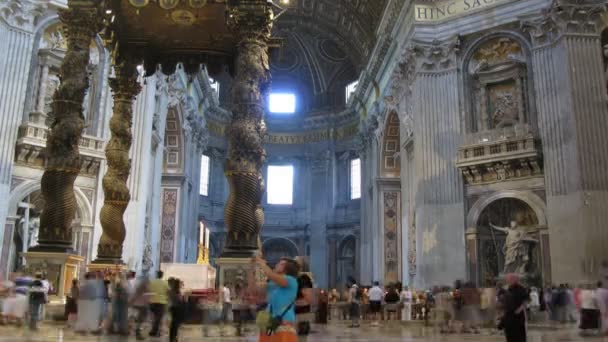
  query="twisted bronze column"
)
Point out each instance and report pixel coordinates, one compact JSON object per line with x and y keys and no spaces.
{"x":125,"y":88}
{"x":251,"y":21}
{"x":82,"y":20}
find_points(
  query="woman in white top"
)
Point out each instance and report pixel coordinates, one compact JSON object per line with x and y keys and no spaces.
{"x":406,"y":300}
{"x":590,"y":313}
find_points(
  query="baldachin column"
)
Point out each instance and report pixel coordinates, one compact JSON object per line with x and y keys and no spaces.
{"x":82,"y":21}
{"x":125,"y":87}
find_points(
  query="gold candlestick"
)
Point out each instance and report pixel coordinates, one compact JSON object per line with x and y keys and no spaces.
{"x":203,"y":255}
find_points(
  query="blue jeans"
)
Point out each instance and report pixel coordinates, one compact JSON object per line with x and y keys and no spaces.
{"x":119,"y":316}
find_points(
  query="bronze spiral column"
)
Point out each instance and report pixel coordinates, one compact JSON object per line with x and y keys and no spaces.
{"x":82,"y":20}
{"x":251,"y":21}
{"x":125,"y":88}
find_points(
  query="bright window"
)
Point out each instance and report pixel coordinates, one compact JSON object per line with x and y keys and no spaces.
{"x":215,"y":86}
{"x":204,"y":186}
{"x":280,"y":184}
{"x":355,"y":178}
{"x":282,"y":103}
{"x":350,"y":90}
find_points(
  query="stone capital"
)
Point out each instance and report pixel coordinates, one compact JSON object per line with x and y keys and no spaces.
{"x":22,"y":14}
{"x":436,"y":56}
{"x":566,"y":17}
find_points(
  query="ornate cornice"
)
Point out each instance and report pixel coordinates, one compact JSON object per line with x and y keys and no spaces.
{"x":565,"y":17}
{"x":22,"y":14}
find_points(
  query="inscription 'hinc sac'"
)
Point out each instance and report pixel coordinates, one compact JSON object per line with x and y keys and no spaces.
{"x":450,"y":8}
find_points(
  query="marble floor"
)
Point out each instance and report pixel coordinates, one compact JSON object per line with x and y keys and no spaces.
{"x":333,"y":332}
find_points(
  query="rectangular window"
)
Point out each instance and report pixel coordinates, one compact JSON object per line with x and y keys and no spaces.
{"x":280,"y":184}
{"x":282,"y":103}
{"x":355,"y":178}
{"x":204,"y":186}
{"x":350,"y":90}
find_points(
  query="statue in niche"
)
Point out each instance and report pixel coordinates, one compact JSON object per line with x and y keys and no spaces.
{"x":517,"y":246}
{"x":505,"y":111}
{"x":56,"y":41}
{"x":33,"y":229}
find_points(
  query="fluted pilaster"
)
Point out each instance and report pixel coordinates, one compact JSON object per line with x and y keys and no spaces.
{"x":82,"y":21}
{"x":440,"y":256}
{"x":570,"y":89}
{"x":125,"y":86}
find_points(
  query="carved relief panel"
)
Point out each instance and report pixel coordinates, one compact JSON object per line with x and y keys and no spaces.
{"x":498,"y":85}
{"x":392,"y":227}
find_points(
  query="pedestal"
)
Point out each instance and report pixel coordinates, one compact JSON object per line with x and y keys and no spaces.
{"x":60,"y":269}
{"x":194,"y":276}
{"x":100,"y":267}
{"x":234,"y":272}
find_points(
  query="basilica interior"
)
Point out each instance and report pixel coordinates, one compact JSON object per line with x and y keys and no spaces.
{"x":387,"y":140}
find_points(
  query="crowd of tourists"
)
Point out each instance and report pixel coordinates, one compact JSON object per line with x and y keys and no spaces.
{"x":284,"y":307}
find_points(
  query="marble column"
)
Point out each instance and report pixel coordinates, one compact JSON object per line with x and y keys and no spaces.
{"x":141,"y":172}
{"x":571,"y":100}
{"x":320,"y":179}
{"x":82,"y":21}
{"x":17,"y":25}
{"x":125,"y":87}
{"x":439,"y":209}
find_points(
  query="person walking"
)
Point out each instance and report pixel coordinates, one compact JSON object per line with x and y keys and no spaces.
{"x":71,"y":305}
{"x":88,"y":319}
{"x":406,"y":297}
{"x":226,"y":306}
{"x":590,"y":311}
{"x":177,"y":308}
{"x":601,"y":295}
{"x":139,"y":302}
{"x":37,"y":298}
{"x":375,"y":302}
{"x":159,"y":289}
{"x":354,"y":298}
{"x":120,"y":308}
{"x":304,"y":301}
{"x":514,"y":319}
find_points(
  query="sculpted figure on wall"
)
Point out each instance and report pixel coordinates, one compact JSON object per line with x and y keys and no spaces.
{"x":517,"y":246}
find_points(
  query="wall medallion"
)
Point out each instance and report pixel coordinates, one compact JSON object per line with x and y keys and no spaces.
{"x":183,"y":17}
{"x":168,"y":4}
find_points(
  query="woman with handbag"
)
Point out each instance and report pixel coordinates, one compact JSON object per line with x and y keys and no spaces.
{"x":281,"y":292}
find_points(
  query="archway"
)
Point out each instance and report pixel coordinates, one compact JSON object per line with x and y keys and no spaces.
{"x":274,"y":249}
{"x":500,"y":213}
{"x":347,"y":261}
{"x":25,"y":205}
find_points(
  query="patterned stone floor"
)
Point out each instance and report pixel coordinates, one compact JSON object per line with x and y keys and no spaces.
{"x":335,"y":332}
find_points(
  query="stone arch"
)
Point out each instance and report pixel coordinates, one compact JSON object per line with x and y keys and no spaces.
{"x":347,"y":260}
{"x":534,"y":201}
{"x":515,"y":67}
{"x":83,"y":206}
{"x":275,"y":248}
{"x":390,"y":156}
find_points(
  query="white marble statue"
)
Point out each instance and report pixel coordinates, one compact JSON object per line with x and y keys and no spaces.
{"x":33,"y":227}
{"x":516,"y":249}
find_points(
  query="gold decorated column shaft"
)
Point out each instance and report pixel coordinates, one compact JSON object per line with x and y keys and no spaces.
{"x":251,"y":21}
{"x":82,"y":20}
{"x":125,"y":88}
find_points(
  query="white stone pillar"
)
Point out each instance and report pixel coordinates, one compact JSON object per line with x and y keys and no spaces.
{"x":439,"y":211}
{"x":571,"y":100}
{"x":139,"y":179}
{"x":16,"y":42}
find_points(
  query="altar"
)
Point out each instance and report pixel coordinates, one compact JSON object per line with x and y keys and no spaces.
{"x":194,"y":276}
